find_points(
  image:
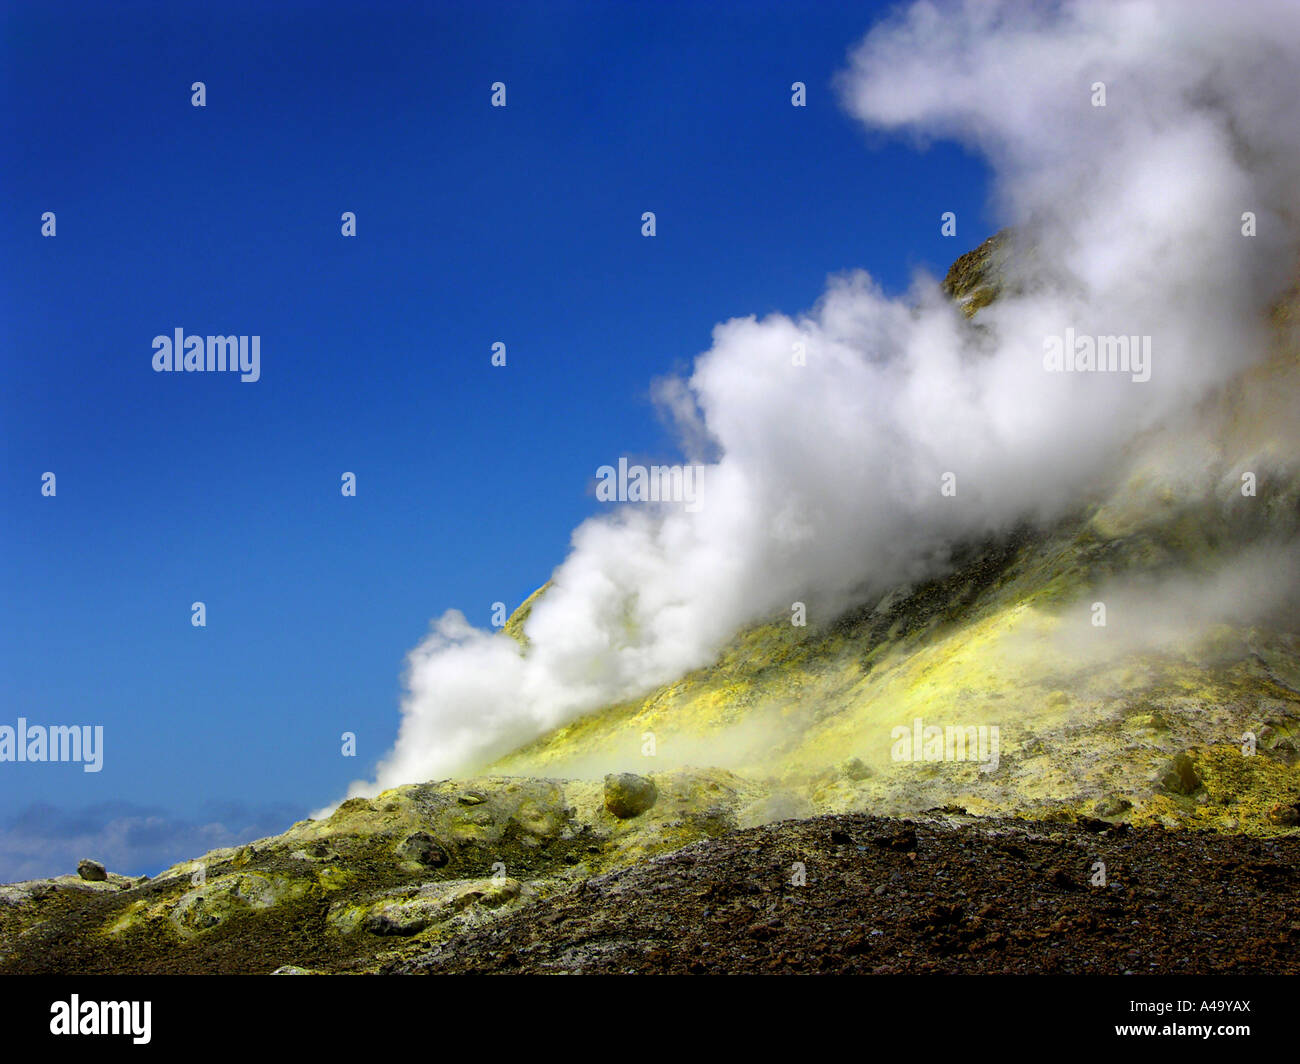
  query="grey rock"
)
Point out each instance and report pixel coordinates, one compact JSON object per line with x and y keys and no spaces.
{"x":423,"y":849}
{"x":91,"y":870}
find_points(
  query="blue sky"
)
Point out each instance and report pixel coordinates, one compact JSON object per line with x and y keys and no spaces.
{"x":474,"y":225}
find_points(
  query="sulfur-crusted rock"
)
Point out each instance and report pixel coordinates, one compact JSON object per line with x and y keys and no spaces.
{"x":1113,"y":805}
{"x":628,"y":795}
{"x":433,"y":903}
{"x":1180,"y":776}
{"x":1283,"y":815}
{"x":218,"y":899}
{"x":856,"y":770}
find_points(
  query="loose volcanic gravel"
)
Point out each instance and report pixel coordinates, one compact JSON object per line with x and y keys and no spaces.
{"x":945,"y":893}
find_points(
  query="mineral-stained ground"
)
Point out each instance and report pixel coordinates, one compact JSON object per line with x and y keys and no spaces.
{"x":945,"y":894}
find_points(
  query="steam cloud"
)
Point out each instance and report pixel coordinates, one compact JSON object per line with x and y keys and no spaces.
{"x":824,"y":478}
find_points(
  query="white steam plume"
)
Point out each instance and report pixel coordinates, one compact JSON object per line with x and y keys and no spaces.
{"x":826,"y":478}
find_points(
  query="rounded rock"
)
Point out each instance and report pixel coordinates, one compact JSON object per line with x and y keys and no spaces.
{"x":628,"y":795}
{"x":1180,"y":776}
{"x":92,"y":870}
{"x":423,"y":849}
{"x":1286,"y":816}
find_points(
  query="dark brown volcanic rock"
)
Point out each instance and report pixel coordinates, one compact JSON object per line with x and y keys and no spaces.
{"x":941,"y":895}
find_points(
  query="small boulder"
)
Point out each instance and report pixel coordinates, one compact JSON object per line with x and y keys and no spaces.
{"x":856,"y":770}
{"x":1284,"y":816}
{"x":628,"y":795}
{"x":1114,"y":805}
{"x":92,"y":870}
{"x":1180,"y":777}
{"x":350,"y":806}
{"x":423,"y":849}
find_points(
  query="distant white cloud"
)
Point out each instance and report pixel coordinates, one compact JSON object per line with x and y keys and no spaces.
{"x":43,"y":840}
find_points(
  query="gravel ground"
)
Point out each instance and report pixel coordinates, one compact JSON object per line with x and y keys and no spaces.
{"x":946,"y":893}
